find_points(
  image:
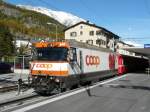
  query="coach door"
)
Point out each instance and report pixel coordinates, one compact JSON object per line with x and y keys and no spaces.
{"x":121,"y":68}
{"x":81,"y":61}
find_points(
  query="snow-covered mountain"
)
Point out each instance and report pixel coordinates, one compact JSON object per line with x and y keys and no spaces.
{"x":64,"y":18}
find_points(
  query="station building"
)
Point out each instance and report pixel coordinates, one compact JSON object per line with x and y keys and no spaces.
{"x":120,"y":45}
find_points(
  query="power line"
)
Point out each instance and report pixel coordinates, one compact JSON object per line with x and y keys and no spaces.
{"x":89,"y":9}
{"x":147,"y":6}
{"x":137,"y":38}
{"x":49,"y":5}
{"x":30,"y":2}
{"x":134,"y":40}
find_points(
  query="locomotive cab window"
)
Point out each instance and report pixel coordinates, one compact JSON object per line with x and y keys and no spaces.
{"x":34,"y":54}
{"x":72,"y":54}
{"x":52,"y":54}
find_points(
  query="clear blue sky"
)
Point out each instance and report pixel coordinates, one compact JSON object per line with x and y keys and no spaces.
{"x":126,"y":18}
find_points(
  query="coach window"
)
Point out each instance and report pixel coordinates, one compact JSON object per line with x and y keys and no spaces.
{"x":91,"y":33}
{"x":73,"y":34}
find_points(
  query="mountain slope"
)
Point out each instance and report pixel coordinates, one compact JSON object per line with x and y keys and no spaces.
{"x":64,"y":18}
{"x":25,"y":23}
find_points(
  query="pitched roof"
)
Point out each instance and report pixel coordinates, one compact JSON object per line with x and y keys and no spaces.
{"x":126,"y":43}
{"x":93,"y":25}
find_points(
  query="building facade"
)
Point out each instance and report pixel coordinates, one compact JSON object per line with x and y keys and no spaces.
{"x":120,"y":45}
{"x":91,"y":34}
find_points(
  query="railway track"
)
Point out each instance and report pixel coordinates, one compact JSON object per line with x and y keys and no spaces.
{"x":20,"y":100}
{"x":31,"y":98}
{"x":27,"y":100}
{"x":12,"y":88}
{"x":8,"y":88}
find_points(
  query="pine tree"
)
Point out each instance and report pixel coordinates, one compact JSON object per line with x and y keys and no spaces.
{"x":6,"y":42}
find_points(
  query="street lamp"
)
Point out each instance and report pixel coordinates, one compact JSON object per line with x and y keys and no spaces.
{"x":55,"y":27}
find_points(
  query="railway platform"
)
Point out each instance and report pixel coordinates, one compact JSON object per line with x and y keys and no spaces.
{"x":12,"y":77}
{"x":9,"y":82}
{"x":127,"y":93}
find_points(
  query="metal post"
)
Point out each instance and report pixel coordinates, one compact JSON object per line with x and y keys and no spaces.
{"x":148,"y":71}
{"x":55,"y":28}
{"x":56,"y":32}
{"x":23,"y":63}
{"x":28,"y":80}
{"x":18,"y":89}
{"x":113,"y":44}
{"x":19,"y":85}
{"x":14,"y":63}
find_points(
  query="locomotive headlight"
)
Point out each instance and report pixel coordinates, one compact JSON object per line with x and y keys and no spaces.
{"x":57,"y":80}
{"x":36,"y":77}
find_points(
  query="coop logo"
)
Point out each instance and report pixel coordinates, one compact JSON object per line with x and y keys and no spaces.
{"x":47,"y":66}
{"x":92,"y":60}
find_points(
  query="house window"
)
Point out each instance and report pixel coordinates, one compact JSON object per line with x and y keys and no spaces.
{"x":81,"y":33}
{"x":91,"y":33}
{"x":104,"y":43}
{"x":89,"y":42}
{"x":81,"y":27}
{"x":98,"y":41}
{"x":73,"y":34}
{"x":98,"y":32}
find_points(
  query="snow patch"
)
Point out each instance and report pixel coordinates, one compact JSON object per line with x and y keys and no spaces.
{"x":64,"y":18}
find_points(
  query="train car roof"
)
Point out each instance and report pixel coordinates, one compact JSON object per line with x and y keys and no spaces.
{"x":128,"y":56}
{"x":142,"y":51}
{"x":50,"y":44}
{"x":74,"y":43}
